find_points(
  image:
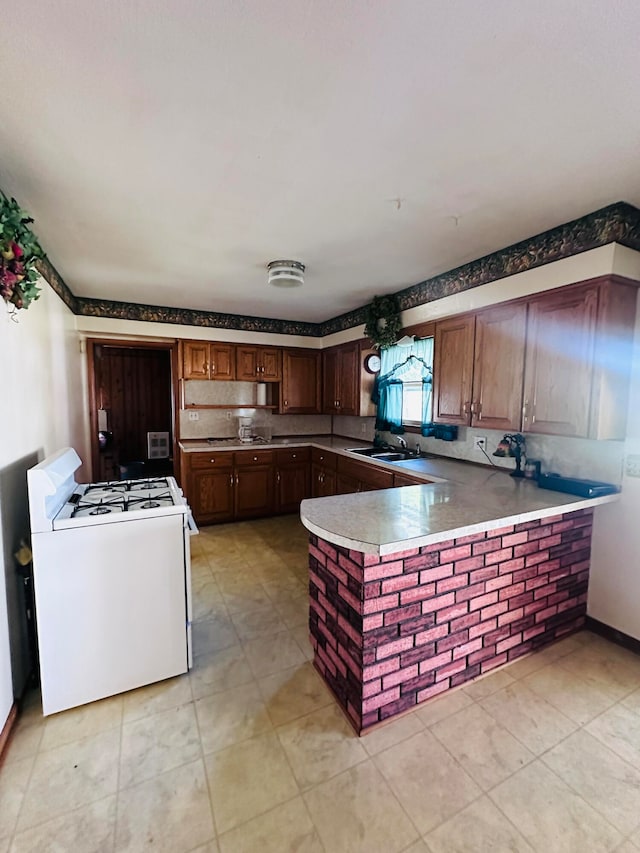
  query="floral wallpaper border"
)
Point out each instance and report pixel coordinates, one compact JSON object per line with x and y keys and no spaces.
{"x":619,"y":223}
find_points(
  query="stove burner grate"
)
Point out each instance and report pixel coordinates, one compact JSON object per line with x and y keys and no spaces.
{"x":100,"y":510}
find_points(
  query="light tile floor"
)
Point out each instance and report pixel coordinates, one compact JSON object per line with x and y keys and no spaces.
{"x":250,"y":753}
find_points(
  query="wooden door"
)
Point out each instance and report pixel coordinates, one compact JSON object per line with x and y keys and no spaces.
{"x":323,"y":481}
{"x":133,"y":394}
{"x":292,"y":486}
{"x":300,"y":392}
{"x":346,"y":484}
{"x":348,"y":384}
{"x":210,"y":495}
{"x":223,"y":361}
{"x":254,"y":475}
{"x":407,"y":480}
{"x":559,"y":363}
{"x":246,"y":364}
{"x":253,"y":491}
{"x":330,"y":376}
{"x":498,"y":367}
{"x":195,"y":360}
{"x":453,"y":370}
{"x":270,"y":365}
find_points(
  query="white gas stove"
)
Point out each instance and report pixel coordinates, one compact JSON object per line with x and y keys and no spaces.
{"x":112,"y":580}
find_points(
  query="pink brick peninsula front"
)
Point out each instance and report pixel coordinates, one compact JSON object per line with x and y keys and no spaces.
{"x":396,"y":622}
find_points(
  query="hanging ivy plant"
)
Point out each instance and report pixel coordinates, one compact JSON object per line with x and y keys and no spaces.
{"x":19,"y":251}
{"x":382,"y":318}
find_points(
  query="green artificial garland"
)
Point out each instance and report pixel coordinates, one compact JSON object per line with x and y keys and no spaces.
{"x":383,"y":308}
{"x":19,"y":252}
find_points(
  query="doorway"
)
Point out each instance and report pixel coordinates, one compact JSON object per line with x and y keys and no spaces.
{"x":132,"y":409}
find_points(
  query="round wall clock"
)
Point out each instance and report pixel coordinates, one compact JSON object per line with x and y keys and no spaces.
{"x":372,"y":363}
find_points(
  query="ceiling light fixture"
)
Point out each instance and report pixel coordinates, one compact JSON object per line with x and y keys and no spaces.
{"x":286,"y":273}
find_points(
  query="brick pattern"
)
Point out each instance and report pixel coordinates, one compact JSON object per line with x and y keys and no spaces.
{"x":391,"y":632}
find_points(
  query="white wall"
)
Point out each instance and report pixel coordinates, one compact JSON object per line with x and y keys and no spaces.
{"x":42,"y":394}
{"x":614,"y":585}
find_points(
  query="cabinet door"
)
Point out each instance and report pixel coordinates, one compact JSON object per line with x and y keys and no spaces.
{"x":407,"y":480}
{"x":346,"y":484}
{"x":254,"y":483}
{"x":223,"y":361}
{"x":498,"y":367}
{"x":453,"y":370}
{"x":348,"y":385}
{"x":195,"y":360}
{"x":292,"y":486}
{"x":323,"y":481}
{"x":300,"y":392}
{"x":270,"y":365}
{"x":254,"y":491}
{"x":210,"y":495}
{"x":330,"y":367}
{"x":559,"y":363}
{"x":246,"y":363}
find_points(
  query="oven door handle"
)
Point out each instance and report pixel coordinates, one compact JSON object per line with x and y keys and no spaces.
{"x":191,"y":524}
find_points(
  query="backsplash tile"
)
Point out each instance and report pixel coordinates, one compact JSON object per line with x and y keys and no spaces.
{"x":571,"y":457}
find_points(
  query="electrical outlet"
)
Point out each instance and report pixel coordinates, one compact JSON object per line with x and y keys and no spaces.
{"x":229,"y":416}
{"x":363,"y":427}
{"x":632,"y":465}
{"x":194,"y":416}
{"x":480,"y":443}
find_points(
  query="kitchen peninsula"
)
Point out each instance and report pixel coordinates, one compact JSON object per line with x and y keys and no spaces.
{"x":416,"y":590}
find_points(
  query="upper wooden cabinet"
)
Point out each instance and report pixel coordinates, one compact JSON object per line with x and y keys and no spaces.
{"x":453,"y":370}
{"x":300,"y":388}
{"x":203,"y":360}
{"x":578,"y":360}
{"x":263,"y":364}
{"x":478,"y":365}
{"x":340,"y":380}
{"x":557,"y":363}
{"x":496,"y":399}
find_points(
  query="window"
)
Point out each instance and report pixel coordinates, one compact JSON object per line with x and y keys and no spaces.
{"x":404,"y":386}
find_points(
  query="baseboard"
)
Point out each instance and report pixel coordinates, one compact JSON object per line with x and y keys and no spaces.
{"x":6,"y":730}
{"x":613,"y":634}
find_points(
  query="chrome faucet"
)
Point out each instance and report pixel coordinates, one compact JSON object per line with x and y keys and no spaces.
{"x":402,"y":442}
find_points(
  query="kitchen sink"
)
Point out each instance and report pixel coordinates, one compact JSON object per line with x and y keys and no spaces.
{"x":382,"y":454}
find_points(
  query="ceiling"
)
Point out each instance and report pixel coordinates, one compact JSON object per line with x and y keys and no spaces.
{"x":168,"y":149}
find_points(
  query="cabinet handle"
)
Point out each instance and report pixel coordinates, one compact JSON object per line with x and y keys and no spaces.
{"x":277,"y":476}
{"x":212,"y":461}
{"x":525,"y":409}
{"x":286,"y":403}
{"x":231,"y":480}
{"x":255,"y":458}
{"x":213,"y":369}
{"x":465,"y":407}
{"x":293,"y":455}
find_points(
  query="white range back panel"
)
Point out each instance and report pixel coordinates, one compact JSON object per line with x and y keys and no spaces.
{"x":50,"y":483}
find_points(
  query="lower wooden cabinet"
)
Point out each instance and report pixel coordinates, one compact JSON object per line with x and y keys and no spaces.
{"x":292,"y":479}
{"x":323,"y":473}
{"x":209,"y":485}
{"x":234,"y":485}
{"x":254,"y":493}
{"x":356,"y":476}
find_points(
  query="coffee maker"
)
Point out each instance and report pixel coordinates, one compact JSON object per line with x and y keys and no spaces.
{"x":245,"y":424}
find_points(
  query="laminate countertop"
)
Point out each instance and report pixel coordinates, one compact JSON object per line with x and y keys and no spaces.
{"x":459,"y":498}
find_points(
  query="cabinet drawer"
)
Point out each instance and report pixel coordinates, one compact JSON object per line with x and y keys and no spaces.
{"x":212,"y":459}
{"x":249,"y":458}
{"x":325,"y":458}
{"x":295,"y":454}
